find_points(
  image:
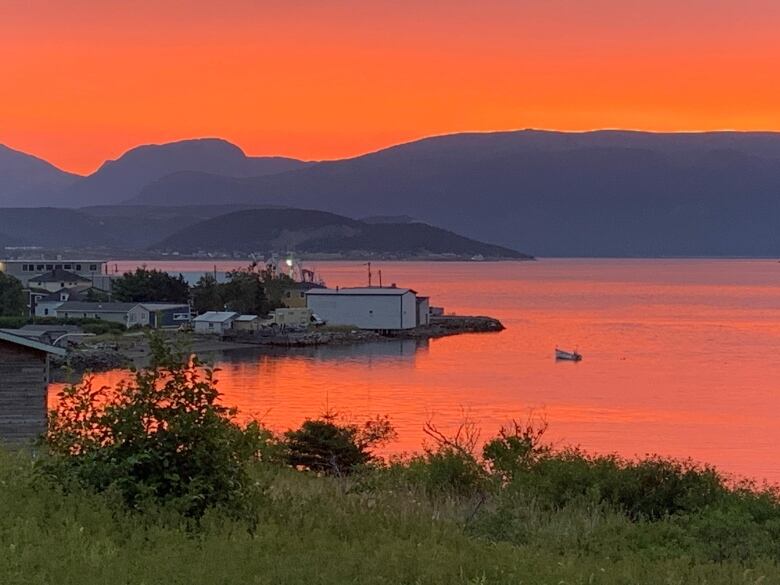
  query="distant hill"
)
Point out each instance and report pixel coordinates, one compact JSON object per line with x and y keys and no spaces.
{"x":140,"y":226}
{"x":26,"y":180}
{"x":606,"y":193}
{"x":388,"y":219}
{"x":317,"y":232}
{"x":53,"y":228}
{"x":121,"y":179}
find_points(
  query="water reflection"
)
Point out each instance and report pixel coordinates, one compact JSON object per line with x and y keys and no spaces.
{"x":401,"y":352}
{"x":679,"y":359}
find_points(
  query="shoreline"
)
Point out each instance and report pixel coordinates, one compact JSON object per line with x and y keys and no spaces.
{"x":132,"y":349}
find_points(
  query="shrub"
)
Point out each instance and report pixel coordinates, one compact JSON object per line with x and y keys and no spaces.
{"x":161,"y":437}
{"x":447,"y":471}
{"x":516,"y":449}
{"x":650,"y":488}
{"x":324,"y":445}
{"x":13,"y":302}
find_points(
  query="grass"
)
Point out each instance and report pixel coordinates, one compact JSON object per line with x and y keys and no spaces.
{"x":383,"y":526}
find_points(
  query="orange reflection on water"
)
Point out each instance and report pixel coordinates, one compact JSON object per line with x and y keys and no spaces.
{"x":680,"y":359}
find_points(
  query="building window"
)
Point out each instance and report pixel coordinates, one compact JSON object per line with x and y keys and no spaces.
{"x":39,"y":267}
{"x":50,"y":267}
{"x":58,"y":267}
{"x":46,"y":311}
{"x":68,"y":266}
{"x":78,"y":267}
{"x":93,"y":267}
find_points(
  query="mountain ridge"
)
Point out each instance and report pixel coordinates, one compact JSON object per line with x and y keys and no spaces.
{"x":604,"y":193}
{"x":24,"y":175}
{"x":309,"y":231}
{"x":598,"y":193}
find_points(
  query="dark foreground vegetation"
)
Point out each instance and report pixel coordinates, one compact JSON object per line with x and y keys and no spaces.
{"x":155,"y":482}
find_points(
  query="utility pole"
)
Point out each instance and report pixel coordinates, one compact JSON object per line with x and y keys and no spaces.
{"x":369,"y":273}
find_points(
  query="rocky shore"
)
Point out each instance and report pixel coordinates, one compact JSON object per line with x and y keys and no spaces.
{"x":439,"y":327}
{"x":132,"y":349}
{"x":90,"y":359}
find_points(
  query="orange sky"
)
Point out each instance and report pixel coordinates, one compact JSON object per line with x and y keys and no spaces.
{"x":84,"y":80}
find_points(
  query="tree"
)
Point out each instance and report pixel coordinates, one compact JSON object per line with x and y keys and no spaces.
{"x":244,"y":291}
{"x":145,"y":285}
{"x":12,"y":300}
{"x":162,"y":436}
{"x":207,"y":294}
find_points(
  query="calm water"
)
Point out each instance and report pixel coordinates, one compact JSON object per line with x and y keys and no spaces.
{"x":682,"y":358}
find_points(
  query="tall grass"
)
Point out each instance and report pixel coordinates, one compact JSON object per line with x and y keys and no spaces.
{"x":383,"y":526}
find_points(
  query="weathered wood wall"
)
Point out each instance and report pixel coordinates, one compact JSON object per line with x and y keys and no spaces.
{"x":23,"y":381}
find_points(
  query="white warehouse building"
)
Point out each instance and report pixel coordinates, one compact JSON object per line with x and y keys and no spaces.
{"x":376,"y":308}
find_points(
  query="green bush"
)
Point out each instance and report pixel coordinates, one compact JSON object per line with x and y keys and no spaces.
{"x":445,"y":471}
{"x":324,"y":445}
{"x":160,"y":438}
{"x":13,"y":322}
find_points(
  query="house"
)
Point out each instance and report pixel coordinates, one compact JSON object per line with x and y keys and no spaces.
{"x":93,"y":270}
{"x":24,"y":376}
{"x":246,"y":323}
{"x":154,"y":315}
{"x":114,"y":312}
{"x":159,"y":315}
{"x":294,"y":295}
{"x":375,"y":308}
{"x":56,"y":280}
{"x":214,"y":322}
{"x":44,"y":304}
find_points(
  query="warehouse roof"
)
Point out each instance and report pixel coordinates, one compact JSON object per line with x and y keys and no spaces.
{"x":362,"y":291}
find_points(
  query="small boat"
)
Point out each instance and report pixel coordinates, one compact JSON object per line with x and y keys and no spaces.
{"x":571,"y":356}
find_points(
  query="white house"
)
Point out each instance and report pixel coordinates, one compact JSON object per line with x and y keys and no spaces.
{"x":376,"y":308}
{"x":214,"y":322}
{"x":56,"y":280}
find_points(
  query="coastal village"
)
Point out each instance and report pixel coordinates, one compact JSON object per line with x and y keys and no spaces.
{"x":70,"y":302}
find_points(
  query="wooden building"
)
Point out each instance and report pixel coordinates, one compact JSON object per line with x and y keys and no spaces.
{"x":24,"y":377}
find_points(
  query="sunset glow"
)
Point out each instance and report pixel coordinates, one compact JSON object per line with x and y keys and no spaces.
{"x":84,"y":81}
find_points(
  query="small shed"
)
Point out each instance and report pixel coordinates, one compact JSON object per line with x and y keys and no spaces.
{"x":246,"y":323}
{"x":24,"y":377}
{"x":375,"y":308}
{"x":214,"y":322}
